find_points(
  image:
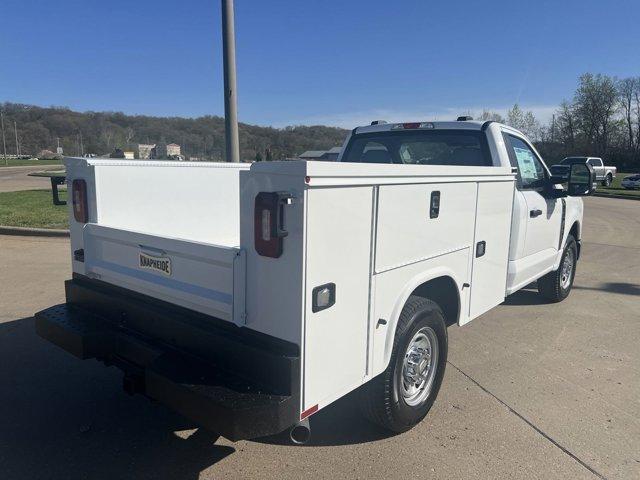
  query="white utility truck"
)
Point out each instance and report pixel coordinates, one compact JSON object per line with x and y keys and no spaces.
{"x":248,"y":297}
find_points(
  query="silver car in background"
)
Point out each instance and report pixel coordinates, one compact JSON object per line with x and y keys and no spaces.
{"x":631,"y":182}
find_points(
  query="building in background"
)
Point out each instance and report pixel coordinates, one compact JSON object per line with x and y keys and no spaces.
{"x":145,"y":151}
{"x":167,"y":150}
{"x":129,"y":155}
{"x":324,"y":155}
{"x":173,"y":149}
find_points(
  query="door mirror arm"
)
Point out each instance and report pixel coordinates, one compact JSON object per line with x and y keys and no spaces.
{"x":550,"y":190}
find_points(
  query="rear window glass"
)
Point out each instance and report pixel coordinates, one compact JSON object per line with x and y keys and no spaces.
{"x":420,"y":147}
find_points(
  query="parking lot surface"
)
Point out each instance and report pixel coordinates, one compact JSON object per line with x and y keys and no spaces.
{"x":13,"y":179}
{"x":532,"y":390}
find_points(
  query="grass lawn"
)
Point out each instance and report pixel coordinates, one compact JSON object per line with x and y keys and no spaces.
{"x":616,"y":189}
{"x":32,"y":208}
{"x":19,"y":163}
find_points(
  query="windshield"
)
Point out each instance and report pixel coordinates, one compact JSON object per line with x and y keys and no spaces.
{"x":420,"y":147}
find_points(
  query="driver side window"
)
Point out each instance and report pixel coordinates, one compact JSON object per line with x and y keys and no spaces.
{"x":531,"y":172}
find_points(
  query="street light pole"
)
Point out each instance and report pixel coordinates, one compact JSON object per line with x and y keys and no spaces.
{"x":15,"y":128}
{"x":4,"y":141}
{"x":230,"y":91}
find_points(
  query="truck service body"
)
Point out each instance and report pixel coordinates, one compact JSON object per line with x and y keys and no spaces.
{"x":248,"y":297}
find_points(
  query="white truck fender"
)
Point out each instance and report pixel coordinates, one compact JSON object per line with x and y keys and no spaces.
{"x":408,"y":288}
{"x":573,"y":216}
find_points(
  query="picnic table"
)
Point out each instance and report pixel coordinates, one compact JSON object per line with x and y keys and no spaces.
{"x":57,"y":178}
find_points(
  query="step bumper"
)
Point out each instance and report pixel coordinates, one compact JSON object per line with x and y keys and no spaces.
{"x":213,"y":396}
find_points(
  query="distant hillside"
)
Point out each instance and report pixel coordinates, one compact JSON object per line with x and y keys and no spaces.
{"x":203,"y":137}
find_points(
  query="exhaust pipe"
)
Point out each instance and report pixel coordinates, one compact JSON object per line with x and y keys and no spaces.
{"x":300,"y":433}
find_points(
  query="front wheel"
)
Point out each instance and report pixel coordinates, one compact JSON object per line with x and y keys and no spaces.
{"x":403,"y":394}
{"x":556,"y":285}
{"x":607,"y":181}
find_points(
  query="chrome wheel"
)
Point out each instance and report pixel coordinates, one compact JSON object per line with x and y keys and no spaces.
{"x":566,"y":270}
{"x":419,"y":367}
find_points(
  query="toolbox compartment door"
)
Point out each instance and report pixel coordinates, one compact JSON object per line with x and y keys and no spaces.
{"x":203,"y":277}
{"x":338,"y":255}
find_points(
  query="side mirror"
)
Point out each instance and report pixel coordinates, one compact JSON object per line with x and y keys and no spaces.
{"x":582,"y":180}
{"x":557,"y":179}
{"x":560,"y":172}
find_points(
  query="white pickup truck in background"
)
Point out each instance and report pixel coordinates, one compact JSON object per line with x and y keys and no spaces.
{"x":248,"y":297}
{"x":604,"y":174}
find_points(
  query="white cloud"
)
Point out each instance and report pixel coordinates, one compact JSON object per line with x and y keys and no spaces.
{"x":358,"y":118}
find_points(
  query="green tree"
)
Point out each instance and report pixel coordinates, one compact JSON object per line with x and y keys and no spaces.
{"x":595,"y":104}
{"x":526,"y":122}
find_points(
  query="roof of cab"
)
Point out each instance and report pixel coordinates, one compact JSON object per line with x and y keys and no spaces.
{"x":458,"y":125}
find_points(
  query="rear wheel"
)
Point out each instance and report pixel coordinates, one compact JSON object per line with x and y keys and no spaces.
{"x":556,"y":285}
{"x":403,"y":394}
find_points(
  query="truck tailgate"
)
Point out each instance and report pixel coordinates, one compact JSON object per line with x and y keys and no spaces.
{"x":203,"y":277}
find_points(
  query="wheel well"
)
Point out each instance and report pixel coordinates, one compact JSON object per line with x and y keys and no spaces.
{"x":443,"y":291}
{"x":575,"y":232}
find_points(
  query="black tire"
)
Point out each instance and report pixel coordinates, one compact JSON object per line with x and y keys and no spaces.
{"x":607,"y":181}
{"x":553,"y":286}
{"x":381,"y":399}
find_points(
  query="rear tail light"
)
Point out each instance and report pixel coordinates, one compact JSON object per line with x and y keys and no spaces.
{"x":268,"y":225}
{"x":79,"y":195}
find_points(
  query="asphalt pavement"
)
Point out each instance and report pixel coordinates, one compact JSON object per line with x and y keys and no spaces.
{"x":13,"y":179}
{"x":532,"y":390}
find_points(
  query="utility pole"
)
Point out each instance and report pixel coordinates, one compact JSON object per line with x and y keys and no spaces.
{"x":15,"y":127}
{"x":230,"y":93}
{"x":4,"y":141}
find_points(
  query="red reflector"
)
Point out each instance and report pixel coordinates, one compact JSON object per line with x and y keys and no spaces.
{"x":308,"y":412}
{"x":411,"y":125}
{"x":79,"y":196}
{"x":268,"y":223}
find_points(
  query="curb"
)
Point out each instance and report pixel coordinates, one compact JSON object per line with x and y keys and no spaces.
{"x":33,"y":232}
{"x":624,"y":197}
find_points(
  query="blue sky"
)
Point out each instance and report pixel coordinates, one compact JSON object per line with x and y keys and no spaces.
{"x":307,"y":62}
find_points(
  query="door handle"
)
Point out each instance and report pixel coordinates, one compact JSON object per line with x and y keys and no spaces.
{"x":535,"y":213}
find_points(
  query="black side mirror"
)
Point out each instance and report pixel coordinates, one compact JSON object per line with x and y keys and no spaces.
{"x":561,"y":172}
{"x":550,"y":188}
{"x":582,"y":180}
{"x":556,"y":179}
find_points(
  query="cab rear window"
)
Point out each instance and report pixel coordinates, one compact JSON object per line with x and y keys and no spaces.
{"x":432,"y":147}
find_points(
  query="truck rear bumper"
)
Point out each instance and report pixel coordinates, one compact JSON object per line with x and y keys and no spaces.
{"x":237,"y":383}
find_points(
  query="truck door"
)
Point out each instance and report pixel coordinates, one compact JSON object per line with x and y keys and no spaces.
{"x":541,"y":215}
